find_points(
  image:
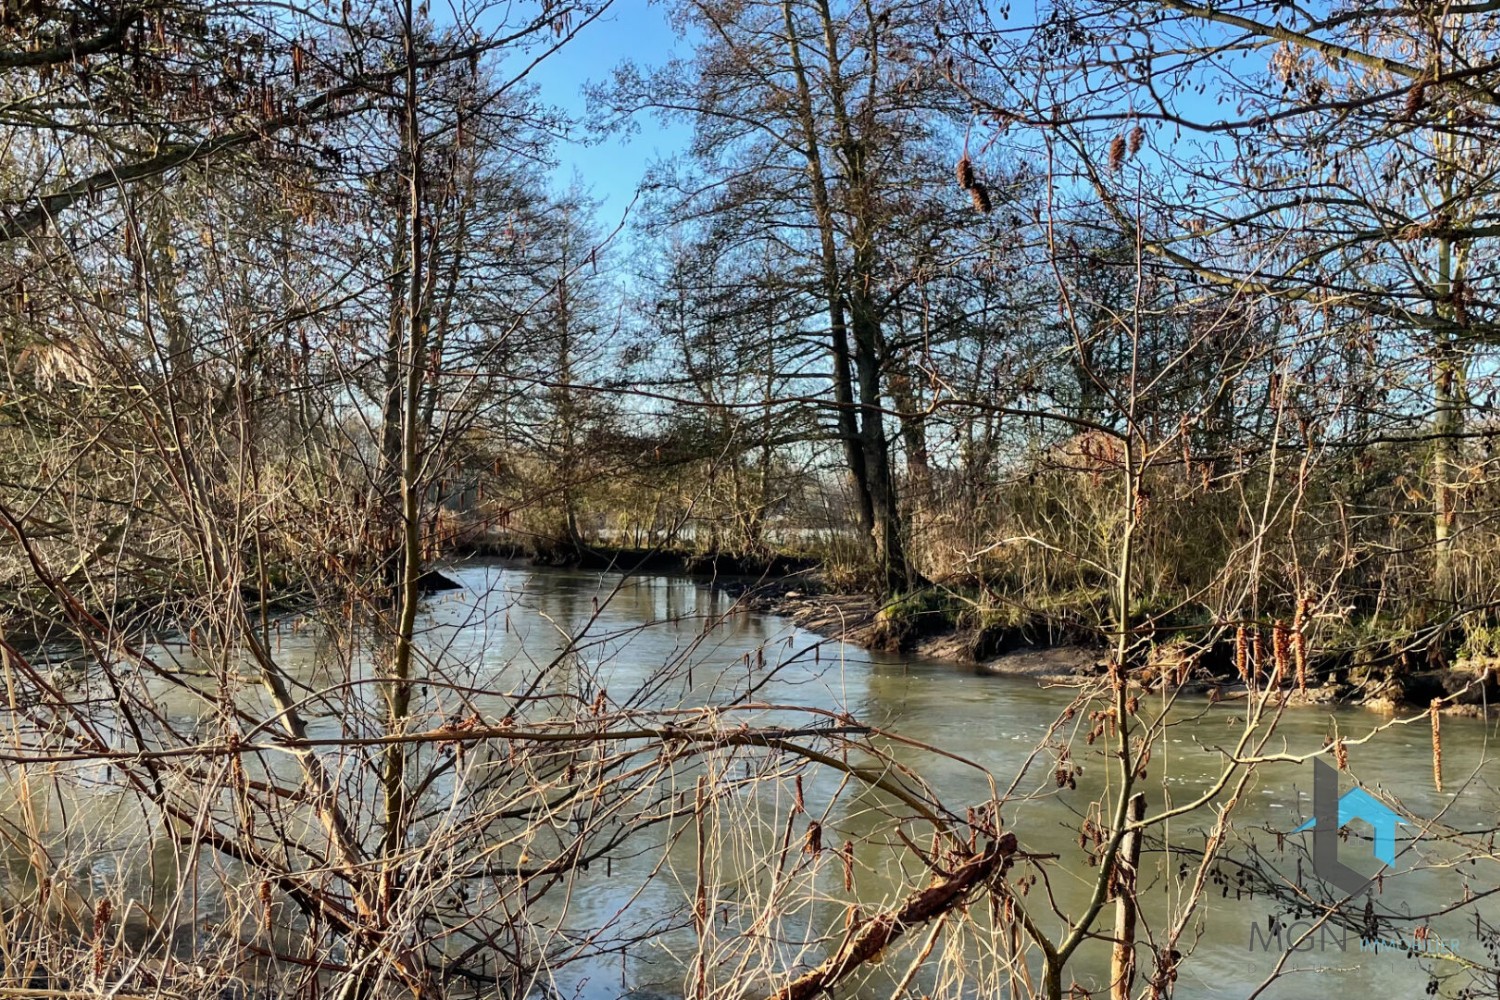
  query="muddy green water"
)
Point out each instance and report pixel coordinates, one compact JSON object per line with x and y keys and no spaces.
{"x":648,"y":635}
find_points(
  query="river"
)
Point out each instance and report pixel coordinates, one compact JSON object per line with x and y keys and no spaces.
{"x":647,"y":636}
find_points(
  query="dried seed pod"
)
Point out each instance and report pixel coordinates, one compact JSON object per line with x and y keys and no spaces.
{"x":814,"y":844}
{"x":1341,"y":754}
{"x":848,"y":853}
{"x":1137,"y":138}
{"x":964,"y":170}
{"x":980,"y":195}
{"x":1241,"y":654}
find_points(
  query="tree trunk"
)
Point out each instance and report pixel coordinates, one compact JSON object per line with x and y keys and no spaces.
{"x":869,"y":345}
{"x":843,"y":380}
{"x":1127,"y":864}
{"x":920,"y":502}
{"x":886,"y":530}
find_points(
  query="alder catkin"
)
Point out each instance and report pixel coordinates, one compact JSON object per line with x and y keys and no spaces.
{"x":965,"y":172}
{"x":265,"y":904}
{"x":1281,"y":651}
{"x":814,"y":844}
{"x":1116,"y":153}
{"x":981,"y":198}
{"x":1241,"y":654}
{"x":1437,"y":744}
{"x":1299,"y":658}
{"x":1415,"y":98}
{"x":1299,"y":643}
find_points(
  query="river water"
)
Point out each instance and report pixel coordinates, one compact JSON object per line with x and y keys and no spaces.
{"x":670,"y":641}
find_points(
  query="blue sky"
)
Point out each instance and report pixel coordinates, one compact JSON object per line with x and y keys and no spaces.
{"x":611,"y":168}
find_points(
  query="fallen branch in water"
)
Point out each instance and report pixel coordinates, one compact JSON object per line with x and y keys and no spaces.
{"x":878,"y":932}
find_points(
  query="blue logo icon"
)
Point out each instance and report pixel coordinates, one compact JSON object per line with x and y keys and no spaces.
{"x":1330,"y":814}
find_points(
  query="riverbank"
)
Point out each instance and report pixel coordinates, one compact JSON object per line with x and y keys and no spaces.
{"x":1052,"y":654}
{"x":863,"y":621}
{"x":638,"y":560}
